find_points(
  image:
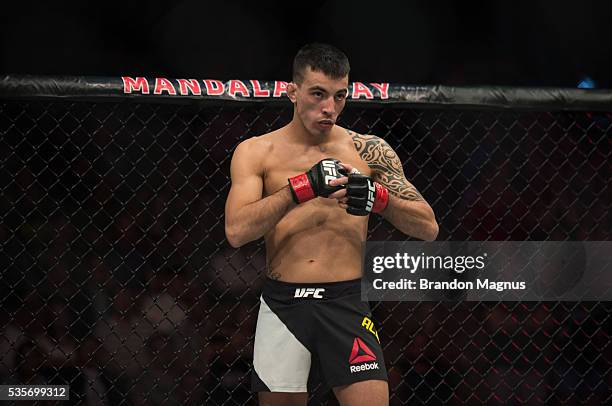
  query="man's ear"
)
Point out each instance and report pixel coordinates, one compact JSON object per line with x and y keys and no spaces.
{"x":291,"y":89}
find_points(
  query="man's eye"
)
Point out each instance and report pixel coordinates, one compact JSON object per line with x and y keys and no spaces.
{"x":317,"y":94}
{"x":340,"y":96}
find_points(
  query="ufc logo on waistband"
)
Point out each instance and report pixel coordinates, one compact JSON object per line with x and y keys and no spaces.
{"x":309,"y":292}
{"x":330,"y":168}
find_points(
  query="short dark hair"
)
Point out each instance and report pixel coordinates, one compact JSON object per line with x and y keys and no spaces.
{"x":321,"y":58}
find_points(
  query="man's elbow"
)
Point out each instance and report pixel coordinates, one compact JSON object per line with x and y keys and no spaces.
{"x":233,"y":237}
{"x":430,"y":227}
{"x":432,"y":231}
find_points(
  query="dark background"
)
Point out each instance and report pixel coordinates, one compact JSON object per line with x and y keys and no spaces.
{"x":115,"y":275}
{"x":535,"y":43}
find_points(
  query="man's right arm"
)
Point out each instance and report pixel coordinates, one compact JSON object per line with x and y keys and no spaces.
{"x":248,"y":216}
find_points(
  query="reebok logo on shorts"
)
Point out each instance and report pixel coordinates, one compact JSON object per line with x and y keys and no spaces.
{"x":364,"y":355}
{"x":361,"y":353}
{"x":364,"y":367}
{"x":309,"y":292}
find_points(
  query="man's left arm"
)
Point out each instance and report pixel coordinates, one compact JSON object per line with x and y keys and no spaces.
{"x":407,"y":210}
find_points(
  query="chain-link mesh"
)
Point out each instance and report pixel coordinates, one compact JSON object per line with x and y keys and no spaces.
{"x":117,"y":278}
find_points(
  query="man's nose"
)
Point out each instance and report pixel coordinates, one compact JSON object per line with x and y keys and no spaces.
{"x":328,"y":106}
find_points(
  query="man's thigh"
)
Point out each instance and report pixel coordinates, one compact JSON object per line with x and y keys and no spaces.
{"x":282,"y":399}
{"x":281,"y":362}
{"x":348,"y":350}
{"x":366,"y":393}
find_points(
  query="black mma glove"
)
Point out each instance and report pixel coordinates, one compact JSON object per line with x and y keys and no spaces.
{"x":315,"y":182}
{"x":365,"y":195}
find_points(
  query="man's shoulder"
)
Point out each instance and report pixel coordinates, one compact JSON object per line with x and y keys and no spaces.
{"x":255,"y":151}
{"x":376,"y":152}
{"x":259,"y":144}
{"x":363,"y":142}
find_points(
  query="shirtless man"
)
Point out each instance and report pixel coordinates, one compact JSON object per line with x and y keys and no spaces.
{"x":308,"y":189}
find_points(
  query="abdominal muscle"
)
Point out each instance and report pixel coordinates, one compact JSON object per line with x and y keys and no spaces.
{"x":316,"y":241}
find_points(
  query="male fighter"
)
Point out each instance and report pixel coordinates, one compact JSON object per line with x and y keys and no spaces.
{"x":308,"y":189}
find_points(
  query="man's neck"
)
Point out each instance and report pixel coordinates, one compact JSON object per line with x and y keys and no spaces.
{"x":300,"y":134}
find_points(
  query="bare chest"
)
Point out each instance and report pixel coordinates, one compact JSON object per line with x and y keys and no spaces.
{"x":286,"y":161}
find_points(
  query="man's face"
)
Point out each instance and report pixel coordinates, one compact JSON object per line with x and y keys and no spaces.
{"x":319,"y":100}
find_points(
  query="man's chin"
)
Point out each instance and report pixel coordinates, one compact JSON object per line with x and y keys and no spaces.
{"x":322,"y":130}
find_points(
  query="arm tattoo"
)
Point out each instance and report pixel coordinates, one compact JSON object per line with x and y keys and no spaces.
{"x":385,"y":164}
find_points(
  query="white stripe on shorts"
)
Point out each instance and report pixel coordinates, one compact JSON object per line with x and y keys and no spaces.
{"x":280,"y":360}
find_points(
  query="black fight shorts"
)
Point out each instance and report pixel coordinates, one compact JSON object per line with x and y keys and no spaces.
{"x":305,"y":330}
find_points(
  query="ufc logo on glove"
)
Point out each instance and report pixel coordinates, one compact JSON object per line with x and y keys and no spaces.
{"x":329,"y":167}
{"x":371,"y":197}
{"x":315,"y":182}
